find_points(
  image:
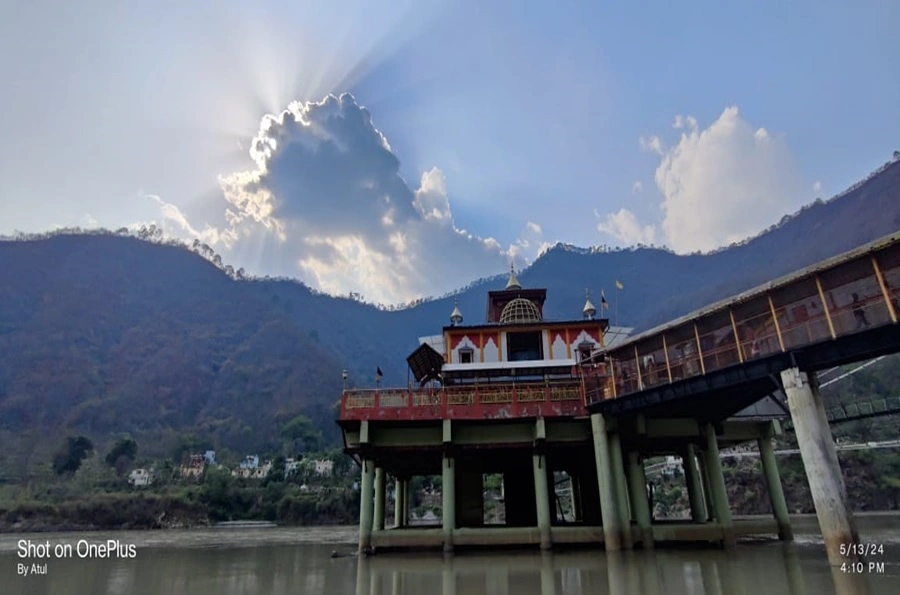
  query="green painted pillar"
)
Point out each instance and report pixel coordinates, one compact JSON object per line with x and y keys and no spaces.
{"x":694,"y":487}
{"x":612,"y":531}
{"x":398,"y":502}
{"x":366,"y":504}
{"x":407,"y":498}
{"x":637,"y":481}
{"x":621,"y":482}
{"x":542,"y":499}
{"x":776,"y":493}
{"x":448,"y":501}
{"x":704,"y":480}
{"x":717,"y":487}
{"x":378,"y":522}
{"x":575,"y":486}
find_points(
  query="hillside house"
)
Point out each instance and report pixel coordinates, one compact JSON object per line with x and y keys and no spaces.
{"x":140,"y":478}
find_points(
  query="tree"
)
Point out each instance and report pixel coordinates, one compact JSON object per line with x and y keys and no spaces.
{"x":302,"y":435}
{"x":122,"y":454}
{"x":68,"y":458}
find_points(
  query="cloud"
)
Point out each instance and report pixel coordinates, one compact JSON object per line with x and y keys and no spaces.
{"x":326,"y":203}
{"x":817,"y":187}
{"x":637,"y":187}
{"x":719,"y":185}
{"x":625,"y":227}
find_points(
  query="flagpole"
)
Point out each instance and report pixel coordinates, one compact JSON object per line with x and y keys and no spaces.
{"x":617,"y":305}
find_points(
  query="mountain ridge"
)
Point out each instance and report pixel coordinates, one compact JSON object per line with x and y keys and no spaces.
{"x":105,"y":333}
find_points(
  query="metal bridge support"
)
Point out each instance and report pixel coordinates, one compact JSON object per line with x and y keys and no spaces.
{"x":823,"y":471}
{"x":378,"y":523}
{"x":621,"y":483}
{"x":366,"y":504}
{"x":612,"y":536}
{"x":694,"y":487}
{"x":776,"y":493}
{"x":637,"y":481}
{"x":717,"y":487}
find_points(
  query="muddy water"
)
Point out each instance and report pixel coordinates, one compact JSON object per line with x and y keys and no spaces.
{"x":296,"y":561}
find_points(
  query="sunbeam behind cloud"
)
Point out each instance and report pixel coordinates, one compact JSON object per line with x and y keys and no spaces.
{"x":326,"y":194}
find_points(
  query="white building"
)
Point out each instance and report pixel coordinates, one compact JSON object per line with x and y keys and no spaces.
{"x":140,"y":478}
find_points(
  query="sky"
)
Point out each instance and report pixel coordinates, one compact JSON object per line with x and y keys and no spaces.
{"x":401,"y":149}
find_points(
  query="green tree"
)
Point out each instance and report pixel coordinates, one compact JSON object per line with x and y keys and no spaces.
{"x":302,"y":435}
{"x":122,"y":454}
{"x":68,"y":458}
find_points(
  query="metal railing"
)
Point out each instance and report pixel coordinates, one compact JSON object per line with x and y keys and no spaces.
{"x":859,"y":293}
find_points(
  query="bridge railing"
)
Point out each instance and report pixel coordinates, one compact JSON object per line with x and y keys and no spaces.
{"x":852,"y":296}
{"x":467,"y":402}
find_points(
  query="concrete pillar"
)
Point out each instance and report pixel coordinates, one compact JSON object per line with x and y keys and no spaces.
{"x":378,"y":522}
{"x":717,"y":487}
{"x":776,"y":493}
{"x":704,"y":480}
{"x":694,"y":487}
{"x":618,"y":467}
{"x":542,"y":499}
{"x":637,"y":481}
{"x":612,"y":531}
{"x":576,"y":498}
{"x":366,"y":504}
{"x":399,"y":493}
{"x":448,"y":501}
{"x":407,"y":498}
{"x":823,"y":471}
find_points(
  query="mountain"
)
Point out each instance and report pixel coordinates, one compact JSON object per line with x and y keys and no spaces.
{"x":103,"y":333}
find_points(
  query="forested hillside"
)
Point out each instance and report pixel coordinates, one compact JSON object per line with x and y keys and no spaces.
{"x":102,"y":333}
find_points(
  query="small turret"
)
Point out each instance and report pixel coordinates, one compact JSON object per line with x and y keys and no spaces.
{"x":455,"y":316}
{"x":589,"y":309}
{"x":513,"y":282}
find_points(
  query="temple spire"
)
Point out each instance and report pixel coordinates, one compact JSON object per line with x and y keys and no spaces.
{"x":589,"y":309}
{"x":456,"y":316}
{"x":513,"y":282}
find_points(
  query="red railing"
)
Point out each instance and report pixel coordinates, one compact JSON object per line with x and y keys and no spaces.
{"x":494,"y":401}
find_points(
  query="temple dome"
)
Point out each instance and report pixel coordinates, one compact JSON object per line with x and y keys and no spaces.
{"x":520,"y":311}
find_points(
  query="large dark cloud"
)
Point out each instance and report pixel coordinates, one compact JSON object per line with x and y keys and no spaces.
{"x":327,"y":197}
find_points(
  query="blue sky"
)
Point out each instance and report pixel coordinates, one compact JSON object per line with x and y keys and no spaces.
{"x":476,"y":132}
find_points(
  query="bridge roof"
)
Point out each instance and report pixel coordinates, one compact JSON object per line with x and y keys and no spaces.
{"x":820,"y":266}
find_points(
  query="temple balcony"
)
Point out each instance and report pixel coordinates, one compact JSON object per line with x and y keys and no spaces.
{"x":560,"y":398}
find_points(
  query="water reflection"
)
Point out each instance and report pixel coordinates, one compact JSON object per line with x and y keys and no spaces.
{"x":773,"y":569}
{"x":300,"y":569}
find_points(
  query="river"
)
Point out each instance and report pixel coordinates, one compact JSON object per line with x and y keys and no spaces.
{"x":296,"y":561}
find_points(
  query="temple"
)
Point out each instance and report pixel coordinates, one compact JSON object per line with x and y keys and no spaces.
{"x":509,"y":396}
